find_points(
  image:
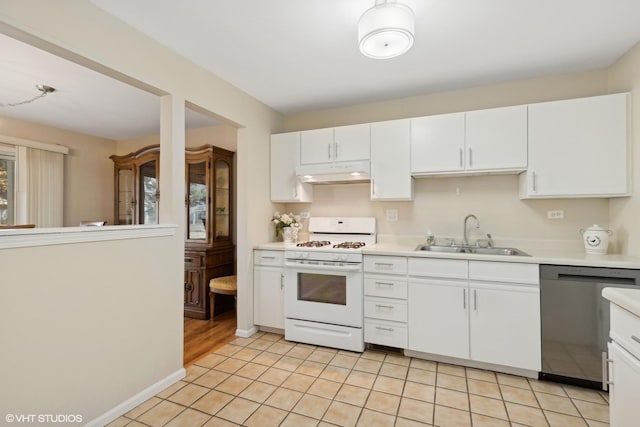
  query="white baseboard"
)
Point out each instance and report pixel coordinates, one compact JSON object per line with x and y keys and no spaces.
{"x":137,"y":399}
{"x":246,"y":333}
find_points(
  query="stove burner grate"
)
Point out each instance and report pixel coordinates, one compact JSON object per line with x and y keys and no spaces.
{"x":314,"y":244}
{"x":349,"y":245}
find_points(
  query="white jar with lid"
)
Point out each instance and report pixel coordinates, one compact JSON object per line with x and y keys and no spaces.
{"x":596,"y":239}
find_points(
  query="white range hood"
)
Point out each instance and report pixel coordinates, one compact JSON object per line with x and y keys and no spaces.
{"x":335,"y":173}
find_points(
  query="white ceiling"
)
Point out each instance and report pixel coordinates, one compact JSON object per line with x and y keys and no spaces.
{"x":300,"y":55}
{"x":85,"y":101}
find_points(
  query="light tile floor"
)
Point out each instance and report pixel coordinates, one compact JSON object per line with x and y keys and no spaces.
{"x":267,"y":381}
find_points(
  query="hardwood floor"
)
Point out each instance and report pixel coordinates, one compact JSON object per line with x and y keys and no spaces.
{"x":204,"y":336}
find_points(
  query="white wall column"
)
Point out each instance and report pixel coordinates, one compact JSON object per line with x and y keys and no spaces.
{"x":172,"y":146}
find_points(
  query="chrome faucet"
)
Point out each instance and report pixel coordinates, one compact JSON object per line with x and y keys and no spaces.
{"x":465,"y":240}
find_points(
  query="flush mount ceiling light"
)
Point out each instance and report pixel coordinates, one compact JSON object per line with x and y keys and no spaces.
{"x":386,"y":30}
{"x":44,"y":91}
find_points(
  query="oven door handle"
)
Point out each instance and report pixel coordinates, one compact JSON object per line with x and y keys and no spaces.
{"x":336,"y":268}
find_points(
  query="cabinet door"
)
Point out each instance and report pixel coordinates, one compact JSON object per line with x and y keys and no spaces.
{"x":222,"y":201}
{"x":496,"y":139}
{"x":193,"y":289}
{"x":352,"y":142}
{"x":505,"y":325}
{"x":125,"y":195}
{"x":268,"y":306}
{"x":578,"y":147}
{"x":437,"y":143}
{"x":624,"y":372}
{"x":316,"y":146}
{"x":438,"y":317}
{"x":390,"y":161}
{"x":285,"y":157}
{"x":197,"y":191}
{"x":148,"y":191}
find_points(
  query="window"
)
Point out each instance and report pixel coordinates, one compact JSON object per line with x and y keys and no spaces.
{"x":7,"y":188}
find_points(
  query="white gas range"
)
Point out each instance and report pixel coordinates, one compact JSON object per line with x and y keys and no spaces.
{"x":324,"y":283}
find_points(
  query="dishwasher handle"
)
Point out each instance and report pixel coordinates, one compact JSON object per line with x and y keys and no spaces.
{"x":597,"y":279}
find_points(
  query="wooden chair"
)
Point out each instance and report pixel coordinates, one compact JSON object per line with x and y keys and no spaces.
{"x":226,"y":285}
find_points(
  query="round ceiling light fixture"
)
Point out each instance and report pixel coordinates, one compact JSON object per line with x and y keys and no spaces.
{"x":386,"y":30}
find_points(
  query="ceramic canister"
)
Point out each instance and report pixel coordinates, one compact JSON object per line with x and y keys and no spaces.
{"x":596,"y":239}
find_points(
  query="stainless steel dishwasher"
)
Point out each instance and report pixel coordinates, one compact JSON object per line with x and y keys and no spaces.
{"x":575,"y":321}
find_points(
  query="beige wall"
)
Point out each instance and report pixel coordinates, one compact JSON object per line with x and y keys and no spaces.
{"x":223,"y":136}
{"x":79,"y":335}
{"x":494,"y":199}
{"x":625,"y":213}
{"x":80,"y":31}
{"x":88,"y":179}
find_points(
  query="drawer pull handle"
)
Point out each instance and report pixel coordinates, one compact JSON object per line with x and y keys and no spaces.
{"x":384,"y":283}
{"x":268,"y":257}
{"x":380,"y":328}
{"x":390,"y":307}
{"x":188,"y":260}
{"x":635,"y":338}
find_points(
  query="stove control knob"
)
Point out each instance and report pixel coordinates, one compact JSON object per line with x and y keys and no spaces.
{"x":343,"y":257}
{"x":336,"y":257}
{"x":305,"y":255}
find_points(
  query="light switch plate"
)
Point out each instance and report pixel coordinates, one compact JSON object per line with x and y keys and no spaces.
{"x":392,"y":215}
{"x":304,"y":215}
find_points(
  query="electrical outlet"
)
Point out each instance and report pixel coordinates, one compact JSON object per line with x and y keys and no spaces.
{"x":304,"y":215}
{"x":392,"y":215}
{"x":557,"y":214}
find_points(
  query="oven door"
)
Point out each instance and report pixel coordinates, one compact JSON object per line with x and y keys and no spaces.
{"x":324,"y":293}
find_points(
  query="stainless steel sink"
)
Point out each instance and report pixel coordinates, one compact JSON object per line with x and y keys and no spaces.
{"x":472,"y":250}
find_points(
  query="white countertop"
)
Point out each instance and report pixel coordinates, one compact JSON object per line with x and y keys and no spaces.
{"x":538,"y":256}
{"x":629,"y":299}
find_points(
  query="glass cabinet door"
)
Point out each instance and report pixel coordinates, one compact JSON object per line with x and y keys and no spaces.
{"x":125,"y":196}
{"x":223,"y":199}
{"x":148,"y":193}
{"x":197,"y":201}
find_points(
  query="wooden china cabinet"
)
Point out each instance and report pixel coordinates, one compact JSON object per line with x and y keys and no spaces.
{"x":136,"y":186}
{"x":209,"y":249}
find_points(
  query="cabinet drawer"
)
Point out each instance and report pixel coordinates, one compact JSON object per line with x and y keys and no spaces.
{"x":193,"y":261}
{"x":385,"y":286}
{"x":625,"y":329}
{"x":387,"y":309}
{"x":262,"y":257}
{"x":437,"y":267}
{"x":385,"y":264}
{"x":391,"y":334}
{"x":509,"y":272}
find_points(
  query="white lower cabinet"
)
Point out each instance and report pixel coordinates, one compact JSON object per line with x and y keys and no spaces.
{"x":268,"y":288}
{"x":493,"y":321}
{"x":505,"y":325}
{"x":385,"y":301}
{"x":438,"y":317}
{"x":624,"y":368}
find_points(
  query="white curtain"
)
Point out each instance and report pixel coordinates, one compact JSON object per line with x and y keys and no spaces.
{"x":45,"y":184}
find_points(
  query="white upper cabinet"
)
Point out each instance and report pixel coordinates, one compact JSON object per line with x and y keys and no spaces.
{"x":285,"y":157}
{"x":390,"y":161}
{"x":340,"y":144}
{"x":578,"y":148}
{"x":437,"y":143}
{"x":493,"y":140}
{"x":496,"y":139}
